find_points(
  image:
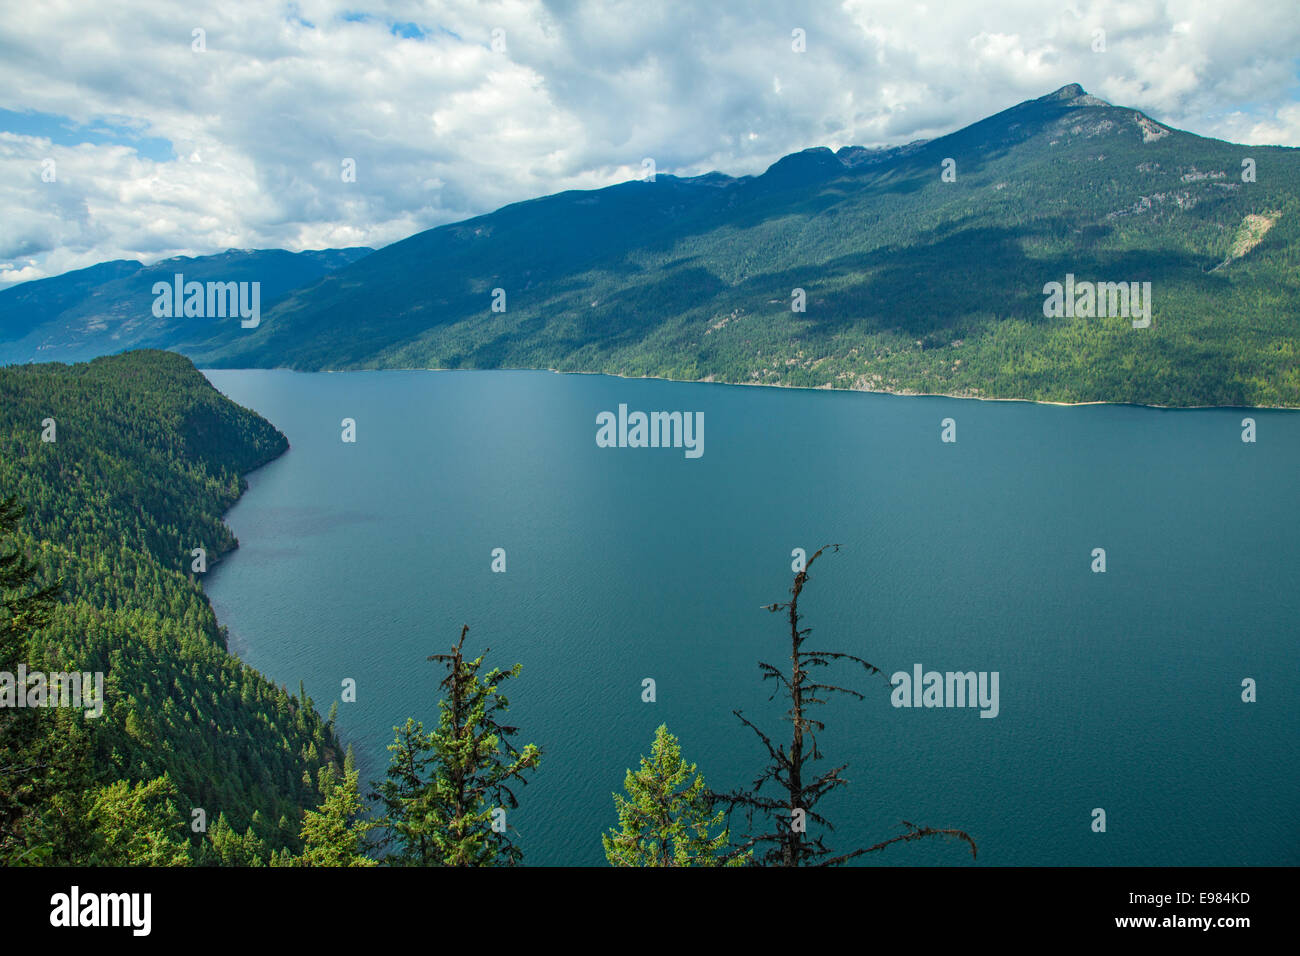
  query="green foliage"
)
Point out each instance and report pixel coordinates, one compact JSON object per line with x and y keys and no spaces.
{"x":147,"y":458}
{"x":447,"y":790}
{"x":665,"y":820}
{"x":405,"y":796}
{"x":139,"y":825}
{"x":334,"y":834}
{"x":226,"y":846}
{"x":25,"y":745}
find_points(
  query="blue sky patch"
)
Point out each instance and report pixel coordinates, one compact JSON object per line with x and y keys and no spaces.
{"x":101,"y":131}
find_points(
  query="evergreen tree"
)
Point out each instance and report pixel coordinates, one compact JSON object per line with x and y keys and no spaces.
{"x":226,"y":847}
{"x":139,"y":825}
{"x":666,"y":820}
{"x":788,"y":843}
{"x":334,"y":834}
{"x":448,"y":791}
{"x":404,"y":795}
{"x":59,"y":826}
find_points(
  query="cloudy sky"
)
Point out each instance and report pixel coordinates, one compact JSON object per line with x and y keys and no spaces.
{"x":164,"y":142}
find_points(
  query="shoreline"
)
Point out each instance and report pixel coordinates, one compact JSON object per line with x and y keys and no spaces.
{"x":806,"y":388}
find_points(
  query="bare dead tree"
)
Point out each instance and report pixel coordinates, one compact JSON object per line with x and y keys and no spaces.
{"x":798,"y":790}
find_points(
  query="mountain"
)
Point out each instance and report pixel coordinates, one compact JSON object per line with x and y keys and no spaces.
{"x":912,"y":284}
{"x":108,"y":307}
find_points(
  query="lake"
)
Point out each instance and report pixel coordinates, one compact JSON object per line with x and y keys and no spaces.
{"x":1119,"y":690}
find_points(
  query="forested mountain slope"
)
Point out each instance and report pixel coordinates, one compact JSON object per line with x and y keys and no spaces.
{"x":145,"y":459}
{"x":912,"y":282}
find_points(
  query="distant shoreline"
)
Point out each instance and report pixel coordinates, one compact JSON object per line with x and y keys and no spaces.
{"x":806,"y":388}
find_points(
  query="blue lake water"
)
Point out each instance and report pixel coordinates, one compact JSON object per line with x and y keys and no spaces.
{"x":1119,"y":690}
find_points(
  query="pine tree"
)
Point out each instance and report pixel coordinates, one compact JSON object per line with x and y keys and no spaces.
{"x":334,"y":834}
{"x":226,"y":847}
{"x":60,"y":825}
{"x":788,"y":843}
{"x":666,"y":820}
{"x":404,"y":798}
{"x":448,"y":791}
{"x":138,"y":825}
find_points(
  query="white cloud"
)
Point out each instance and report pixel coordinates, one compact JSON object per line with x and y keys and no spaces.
{"x":442,"y":127}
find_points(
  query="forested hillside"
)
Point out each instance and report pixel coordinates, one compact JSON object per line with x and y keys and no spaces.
{"x":912,"y":281}
{"x":145,"y":458}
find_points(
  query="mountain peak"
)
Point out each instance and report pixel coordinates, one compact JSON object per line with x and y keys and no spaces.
{"x":1068,"y":92}
{"x":1073,"y":94}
